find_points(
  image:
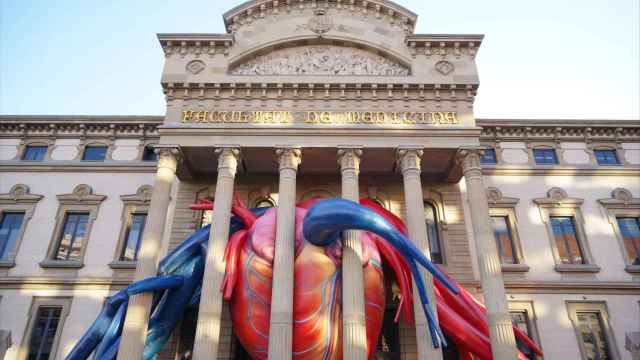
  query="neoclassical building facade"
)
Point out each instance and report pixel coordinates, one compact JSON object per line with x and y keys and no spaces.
{"x":306,"y":99}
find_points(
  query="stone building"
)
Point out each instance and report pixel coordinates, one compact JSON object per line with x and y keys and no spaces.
{"x":323,"y":98}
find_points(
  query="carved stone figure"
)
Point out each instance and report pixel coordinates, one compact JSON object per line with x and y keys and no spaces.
{"x":321,"y":60}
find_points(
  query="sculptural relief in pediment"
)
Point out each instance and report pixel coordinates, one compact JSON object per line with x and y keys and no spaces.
{"x":321,"y":60}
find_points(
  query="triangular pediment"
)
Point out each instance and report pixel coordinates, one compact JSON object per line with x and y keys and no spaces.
{"x":322,"y":60}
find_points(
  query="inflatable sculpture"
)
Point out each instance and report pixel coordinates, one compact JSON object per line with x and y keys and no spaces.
{"x":317,"y":285}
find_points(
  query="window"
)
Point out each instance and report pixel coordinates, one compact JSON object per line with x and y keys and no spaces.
{"x":504,"y":239}
{"x":606,"y":157}
{"x":591,"y":324}
{"x":10,"y":225}
{"x":433,"y":233}
{"x":149,"y":154}
{"x":72,"y":236}
{"x":44,"y":326}
{"x":34,"y":153}
{"x":133,"y":237}
{"x":489,"y":157}
{"x":630,"y":232}
{"x":523,"y":317}
{"x":94,"y":153}
{"x":206,"y":217}
{"x":545,"y":156}
{"x":564,"y":232}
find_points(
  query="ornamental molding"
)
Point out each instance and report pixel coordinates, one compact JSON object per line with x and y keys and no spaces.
{"x":496,"y":199}
{"x":620,"y":199}
{"x":588,"y":131}
{"x":195,"y":44}
{"x":252,"y":11}
{"x":557,"y":197}
{"x":20,"y":194}
{"x":81,"y":194}
{"x":329,"y":60}
{"x":444,"y":46}
{"x":142,"y":196}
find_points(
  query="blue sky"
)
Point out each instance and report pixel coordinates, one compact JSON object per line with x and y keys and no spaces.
{"x":541,"y":59}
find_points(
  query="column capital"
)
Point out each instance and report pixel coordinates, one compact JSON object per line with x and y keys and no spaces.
{"x":349,"y":158}
{"x":469,"y":158}
{"x":168,"y":156}
{"x":228,"y":157}
{"x":289,"y":157}
{"x":409,"y":158}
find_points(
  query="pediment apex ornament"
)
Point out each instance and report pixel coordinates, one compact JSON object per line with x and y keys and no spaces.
{"x":320,"y":23}
{"x":444,"y":67}
{"x":82,"y":191}
{"x":144,"y":192}
{"x":195,"y":66}
{"x":622,"y":194}
{"x":494,"y":194}
{"x":556,"y":194}
{"x":19,"y":190}
{"x":19,"y":193}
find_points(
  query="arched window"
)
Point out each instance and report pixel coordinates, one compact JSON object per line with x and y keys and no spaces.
{"x":265,"y":202}
{"x":433,"y":232}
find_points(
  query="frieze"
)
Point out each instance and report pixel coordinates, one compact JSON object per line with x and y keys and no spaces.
{"x":559,"y":130}
{"x":321,"y":60}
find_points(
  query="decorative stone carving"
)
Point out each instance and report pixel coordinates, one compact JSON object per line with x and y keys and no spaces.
{"x":19,"y":194}
{"x":621,"y":194}
{"x":195,"y":66}
{"x":81,"y":194}
{"x":444,"y":67}
{"x":321,"y":60}
{"x":556,"y":194}
{"x":320,"y":23}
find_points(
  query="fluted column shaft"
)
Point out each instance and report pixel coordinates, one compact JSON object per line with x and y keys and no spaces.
{"x":503,"y":345}
{"x":207,"y":339}
{"x":410,"y":165}
{"x":281,"y":318}
{"x":134,"y":331}
{"x":354,"y":327}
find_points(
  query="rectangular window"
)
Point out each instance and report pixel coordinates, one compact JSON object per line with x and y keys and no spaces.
{"x":10,"y":225}
{"x":592,"y":335}
{"x":564,"y":232}
{"x":545,"y":156}
{"x":72,"y":236}
{"x":433,"y":233}
{"x":521,"y":320}
{"x":630,"y":231}
{"x":94,"y":153}
{"x":43,"y":333}
{"x":133,"y":238}
{"x":206,"y":217}
{"x":606,"y":157}
{"x":489,"y":157}
{"x":504,"y":239}
{"x":149,"y":154}
{"x":34,"y":153}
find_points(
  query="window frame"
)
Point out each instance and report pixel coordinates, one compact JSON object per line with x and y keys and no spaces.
{"x":438,"y":224}
{"x":617,"y":148}
{"x":495,"y":156}
{"x":137,"y":203}
{"x":528,"y":308}
{"x":82,"y":199}
{"x":547,"y":148}
{"x":36,"y":303}
{"x":621,"y":204}
{"x":34,"y":145}
{"x":94,"y":145}
{"x":437,"y":200}
{"x":575,"y":307}
{"x":18,"y":199}
{"x":34,"y":142}
{"x":615,"y":154}
{"x":500,"y":205}
{"x":559,"y":204}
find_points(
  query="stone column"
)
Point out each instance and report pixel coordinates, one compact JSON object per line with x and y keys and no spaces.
{"x":207,"y":337}
{"x":503,"y":344}
{"x":134,"y":331}
{"x":281,"y":321}
{"x":409,"y":161}
{"x":354,"y":326}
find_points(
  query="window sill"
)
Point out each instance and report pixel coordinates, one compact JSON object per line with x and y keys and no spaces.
{"x":60,"y":264}
{"x":579,"y":268}
{"x":632,"y":269}
{"x":515,"y":268}
{"x":123,"y":265}
{"x":7,"y":264}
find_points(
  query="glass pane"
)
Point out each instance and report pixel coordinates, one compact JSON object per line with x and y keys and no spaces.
{"x":592,"y":335}
{"x":545,"y":156}
{"x":488,"y":157}
{"x":134,"y":237}
{"x":71,"y":239}
{"x":34,"y":153}
{"x":566,"y":240}
{"x":630,"y":231}
{"x":9,"y":229}
{"x":432,"y":233}
{"x":504,"y":240}
{"x":44,"y":332}
{"x":606,"y":157}
{"x":149,"y":154}
{"x":95,"y":153}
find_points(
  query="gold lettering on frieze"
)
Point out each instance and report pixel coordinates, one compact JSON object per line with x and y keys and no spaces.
{"x":401,"y":118}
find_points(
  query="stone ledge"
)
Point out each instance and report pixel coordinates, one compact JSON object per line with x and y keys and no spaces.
{"x":60,"y":264}
{"x":581,"y":268}
{"x":515,"y":267}
{"x":123,"y":265}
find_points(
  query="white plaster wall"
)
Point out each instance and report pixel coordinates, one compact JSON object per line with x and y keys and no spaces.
{"x":557,"y":335}
{"x":8,"y":148}
{"x":126,"y":149}
{"x":575,"y":153}
{"x":632,"y":153}
{"x":600,"y":233}
{"x":14,"y":312}
{"x":514,"y":152}
{"x":104,"y":234}
{"x":65,"y":149}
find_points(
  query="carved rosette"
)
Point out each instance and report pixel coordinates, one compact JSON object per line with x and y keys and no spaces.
{"x":289,"y":158}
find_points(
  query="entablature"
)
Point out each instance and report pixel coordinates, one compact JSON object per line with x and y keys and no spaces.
{"x":12,"y":126}
{"x":444,"y":44}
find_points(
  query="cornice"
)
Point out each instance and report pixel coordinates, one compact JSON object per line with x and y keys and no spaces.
{"x":197,"y":44}
{"x":506,"y":170}
{"x":79,"y":126}
{"x":444,"y":44}
{"x":572,"y":287}
{"x":257,"y":9}
{"x":78,"y":167}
